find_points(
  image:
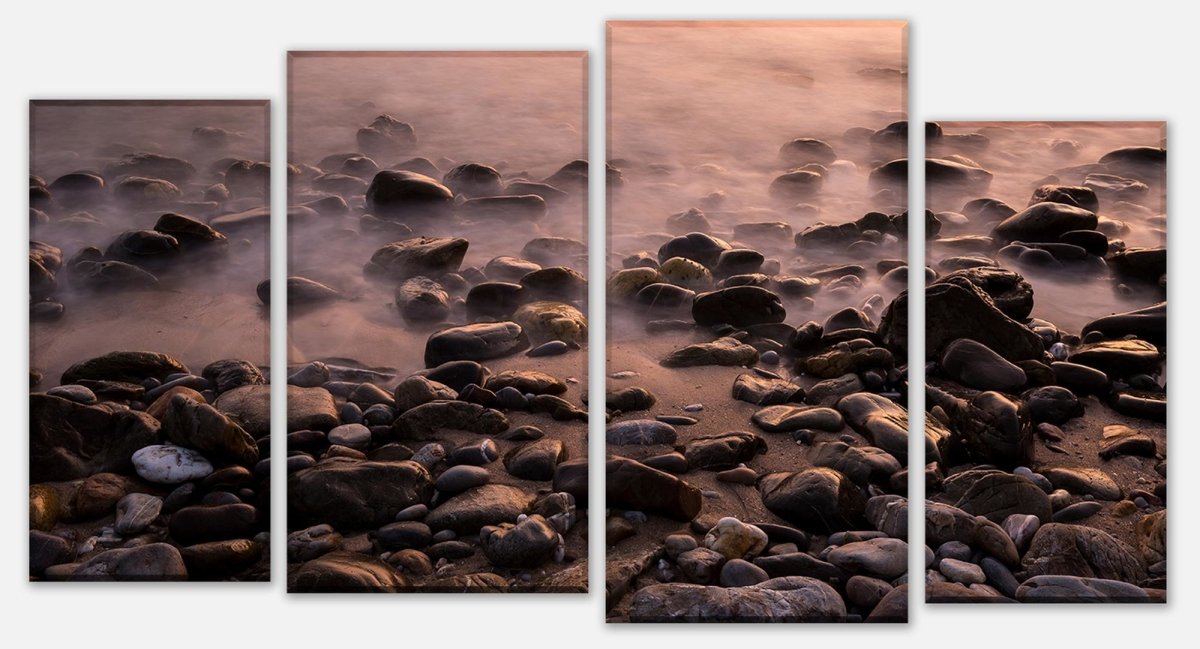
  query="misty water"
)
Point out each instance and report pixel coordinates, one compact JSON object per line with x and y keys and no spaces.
{"x":697,"y":116}
{"x":523,"y":114}
{"x":1025,"y":155}
{"x":204,"y":307}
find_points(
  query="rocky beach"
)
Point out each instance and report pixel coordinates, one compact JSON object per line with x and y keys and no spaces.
{"x":149,"y":419}
{"x":756,"y":402}
{"x":437,"y":417}
{"x":1046,"y":362}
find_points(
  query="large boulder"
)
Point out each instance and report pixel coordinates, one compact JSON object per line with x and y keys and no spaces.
{"x":69,"y":440}
{"x":1061,"y":549}
{"x":353,"y":495}
{"x":953,"y":311}
{"x":783,"y":599}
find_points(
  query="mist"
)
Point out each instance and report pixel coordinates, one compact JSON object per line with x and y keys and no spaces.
{"x":203,"y":307}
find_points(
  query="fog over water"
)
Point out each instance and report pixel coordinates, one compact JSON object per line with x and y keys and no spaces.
{"x":523,"y":113}
{"x":703,"y":108}
{"x":204,"y":307}
{"x":1025,"y":155}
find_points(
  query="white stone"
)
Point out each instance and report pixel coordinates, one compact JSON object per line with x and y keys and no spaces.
{"x":167,"y":464}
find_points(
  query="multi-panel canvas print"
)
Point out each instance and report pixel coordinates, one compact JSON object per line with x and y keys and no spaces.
{"x":756,"y":400}
{"x":148,"y":342}
{"x":1046,"y":334}
{"x":437,"y":331}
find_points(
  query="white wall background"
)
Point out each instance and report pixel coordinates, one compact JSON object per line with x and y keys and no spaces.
{"x":1012,"y":59}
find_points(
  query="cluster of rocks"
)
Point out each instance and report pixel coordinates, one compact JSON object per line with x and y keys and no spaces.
{"x":141,"y":470}
{"x":460,"y":476}
{"x":789,"y":504}
{"x":1047,"y":480}
{"x":190,"y":220}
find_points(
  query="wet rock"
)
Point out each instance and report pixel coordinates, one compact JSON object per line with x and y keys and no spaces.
{"x":974,"y":365}
{"x":885,"y":423}
{"x":954,"y":312}
{"x":862,"y":464}
{"x":427,"y":419}
{"x":490,"y":504}
{"x":206,"y":429}
{"x":722,"y":351}
{"x":135,"y":512}
{"x":630,"y":399}
{"x":1083,"y":481}
{"x":69,"y":440}
{"x":476,"y":342}
{"x":796,"y":186}
{"x":686,"y":273}
{"x":764,"y":391}
{"x":1044,"y":223}
{"x":311,"y":542}
{"x":421,"y":299}
{"x":624,"y":284}
{"x":1149,"y":323}
{"x":783,"y":419}
{"x":150,"y":562}
{"x":699,"y":247}
{"x":1080,"y":379}
{"x":1125,"y":440}
{"x":1119,"y":358}
{"x":803,"y":150}
{"x":722,"y":451}
{"x":944,"y":523}
{"x":526,"y":544}
{"x":346,"y":572}
{"x":739,"y":306}
{"x":733,"y":539}
{"x":1079,"y":551}
{"x":999,"y":496}
{"x":817,"y":499}
{"x":700,"y":565}
{"x":830,"y":391}
{"x":95,"y":497}
{"x":629,"y":484}
{"x":776,"y":600}
{"x":473,"y":179}
{"x":47,"y":550}
{"x":419,"y":256}
{"x":418,"y":390}
{"x":400,"y":194}
{"x":990,"y":427}
{"x":220,"y":559}
{"x":545,"y":321}
{"x":1051,"y":404}
{"x":131,"y":367}
{"x":1082,"y":197}
{"x":1065,"y":588}
{"x":693,"y":220}
{"x":352,"y":494}
{"x":536,"y":460}
{"x":882,"y":557}
{"x":639,"y":431}
{"x":224,"y":375}
{"x":199,"y":523}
